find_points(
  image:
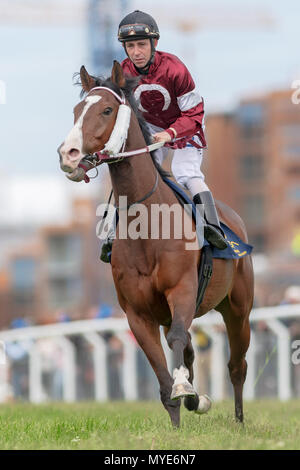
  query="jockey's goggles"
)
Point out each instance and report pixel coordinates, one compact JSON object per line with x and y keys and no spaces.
{"x":136,"y":31}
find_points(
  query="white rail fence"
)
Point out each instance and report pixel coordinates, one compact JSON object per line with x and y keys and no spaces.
{"x":93,"y":332}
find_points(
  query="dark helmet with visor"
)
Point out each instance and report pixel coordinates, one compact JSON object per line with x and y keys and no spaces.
{"x":138,"y":25}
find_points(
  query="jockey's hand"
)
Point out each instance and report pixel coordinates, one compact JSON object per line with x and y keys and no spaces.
{"x":162,"y":137}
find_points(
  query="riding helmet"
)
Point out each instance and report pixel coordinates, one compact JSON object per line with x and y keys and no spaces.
{"x":138,"y":25}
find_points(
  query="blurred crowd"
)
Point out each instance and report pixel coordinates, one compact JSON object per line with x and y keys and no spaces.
{"x":52,"y":362}
{"x":266,"y":353}
{"x":52,"y":359}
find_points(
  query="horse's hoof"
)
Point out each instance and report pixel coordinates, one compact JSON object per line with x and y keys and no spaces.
{"x":204,"y":404}
{"x":182,"y":390}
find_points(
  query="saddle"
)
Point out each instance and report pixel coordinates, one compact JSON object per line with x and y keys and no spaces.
{"x":236,"y":247}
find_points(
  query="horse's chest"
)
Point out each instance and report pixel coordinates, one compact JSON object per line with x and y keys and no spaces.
{"x":133,"y":281}
{"x":138,"y":288}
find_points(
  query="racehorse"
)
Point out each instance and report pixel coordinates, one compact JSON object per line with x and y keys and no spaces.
{"x":157,"y":279}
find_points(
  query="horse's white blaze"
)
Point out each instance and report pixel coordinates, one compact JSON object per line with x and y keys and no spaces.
{"x":119,"y":133}
{"x":74,"y":138}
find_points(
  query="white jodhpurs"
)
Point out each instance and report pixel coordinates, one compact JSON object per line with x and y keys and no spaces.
{"x":186,"y":165}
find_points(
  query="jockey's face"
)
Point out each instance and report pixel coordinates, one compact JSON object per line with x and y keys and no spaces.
{"x":139,"y":51}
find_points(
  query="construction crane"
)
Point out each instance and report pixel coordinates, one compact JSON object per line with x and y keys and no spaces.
{"x":102,"y":18}
{"x":186,"y":16}
{"x":103,"y":21}
{"x":42,"y":13}
{"x":191,"y":16}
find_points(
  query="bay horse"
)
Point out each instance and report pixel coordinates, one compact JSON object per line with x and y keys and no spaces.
{"x":157,"y":279}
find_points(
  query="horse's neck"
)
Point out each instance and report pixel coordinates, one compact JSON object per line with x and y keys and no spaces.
{"x":134,"y":176}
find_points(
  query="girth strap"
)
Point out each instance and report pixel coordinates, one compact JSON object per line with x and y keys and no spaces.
{"x":204,"y":273}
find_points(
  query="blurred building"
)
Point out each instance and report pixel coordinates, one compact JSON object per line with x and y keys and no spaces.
{"x":24,"y":273}
{"x":103,"y":21}
{"x":69,"y":276}
{"x":253,"y":165}
{"x":19,"y":261}
{"x":4,"y":299}
{"x":58,"y":273}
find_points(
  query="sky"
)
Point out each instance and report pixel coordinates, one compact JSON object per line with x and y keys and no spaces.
{"x":227,"y":63}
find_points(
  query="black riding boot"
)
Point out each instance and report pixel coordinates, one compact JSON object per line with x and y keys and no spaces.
{"x":212,"y":230}
{"x":105,"y":251}
{"x":107,"y":245}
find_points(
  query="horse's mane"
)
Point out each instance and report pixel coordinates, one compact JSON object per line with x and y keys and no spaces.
{"x":130,"y":85}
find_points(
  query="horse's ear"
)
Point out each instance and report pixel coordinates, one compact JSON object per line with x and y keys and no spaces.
{"x":117,"y":76}
{"x":87,"y":81}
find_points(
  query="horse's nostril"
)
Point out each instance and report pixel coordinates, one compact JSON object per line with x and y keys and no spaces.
{"x":74,"y":153}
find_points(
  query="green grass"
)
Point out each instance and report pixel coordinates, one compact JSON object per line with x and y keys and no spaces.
{"x":146,"y":425}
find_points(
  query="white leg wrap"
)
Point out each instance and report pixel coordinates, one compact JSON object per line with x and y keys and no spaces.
{"x":180,"y":375}
{"x":181,"y":386}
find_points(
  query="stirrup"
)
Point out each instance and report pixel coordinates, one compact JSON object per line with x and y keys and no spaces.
{"x":106,"y":251}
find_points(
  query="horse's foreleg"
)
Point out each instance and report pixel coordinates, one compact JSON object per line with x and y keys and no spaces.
{"x":189,"y":357}
{"x":182,"y":310}
{"x":190,"y":402}
{"x":147,"y":335}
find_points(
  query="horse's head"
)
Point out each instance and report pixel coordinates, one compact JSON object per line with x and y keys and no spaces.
{"x":94,"y":120}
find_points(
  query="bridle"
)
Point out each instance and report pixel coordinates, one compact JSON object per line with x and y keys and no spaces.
{"x":117,"y":140}
{"x":108,"y":154}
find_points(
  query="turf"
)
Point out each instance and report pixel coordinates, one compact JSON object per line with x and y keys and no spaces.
{"x":146,"y":425}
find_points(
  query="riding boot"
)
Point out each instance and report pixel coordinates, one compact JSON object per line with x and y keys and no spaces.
{"x":107,"y":246}
{"x":212,"y":230}
{"x":105,"y":251}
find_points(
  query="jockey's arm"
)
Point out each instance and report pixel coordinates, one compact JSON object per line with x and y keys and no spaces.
{"x":188,"y":124}
{"x":190,"y":103}
{"x":190,"y":121}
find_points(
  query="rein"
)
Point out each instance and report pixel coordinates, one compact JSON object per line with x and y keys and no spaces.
{"x":143,"y":198}
{"x":101,"y":157}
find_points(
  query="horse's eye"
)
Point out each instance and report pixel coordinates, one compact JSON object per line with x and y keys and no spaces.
{"x":107,"y":111}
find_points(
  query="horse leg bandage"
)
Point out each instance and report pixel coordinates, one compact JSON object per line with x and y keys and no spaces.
{"x":181,"y":386}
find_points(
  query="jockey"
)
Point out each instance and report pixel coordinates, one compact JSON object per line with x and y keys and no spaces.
{"x":173,"y":110}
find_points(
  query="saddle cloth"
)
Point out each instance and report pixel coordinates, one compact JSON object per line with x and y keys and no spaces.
{"x":236,"y":247}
